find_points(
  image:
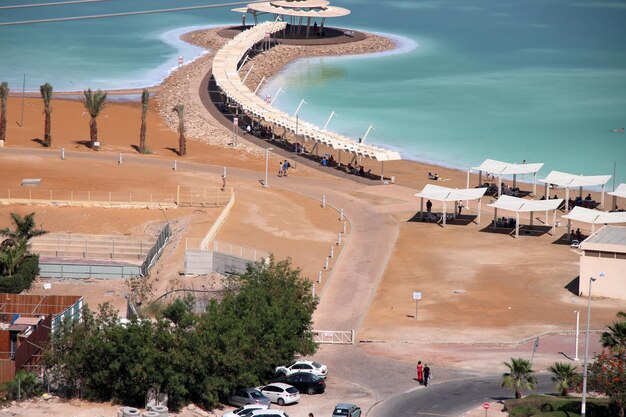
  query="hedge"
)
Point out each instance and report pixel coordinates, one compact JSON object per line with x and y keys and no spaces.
{"x":23,"y":277}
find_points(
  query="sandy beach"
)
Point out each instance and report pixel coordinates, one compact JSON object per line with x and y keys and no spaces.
{"x":481,"y":288}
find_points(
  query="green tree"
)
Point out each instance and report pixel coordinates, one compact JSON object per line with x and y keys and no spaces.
{"x":46,"y":95}
{"x":180,"y":312}
{"x":520,"y":376}
{"x":24,"y":228}
{"x":182,"y":142}
{"x":145,"y":96}
{"x":607,"y":375}
{"x":4,"y":94}
{"x":94,"y":103}
{"x":615,"y":336}
{"x":12,"y":255}
{"x":565,"y":377}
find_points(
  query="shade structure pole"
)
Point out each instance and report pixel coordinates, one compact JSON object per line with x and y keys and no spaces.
{"x":567,"y":207}
{"x":534,"y":184}
{"x":382,"y":170}
{"x":468,"y":172}
{"x":499,"y":185}
{"x":480,"y":178}
{"x":531,"y":219}
{"x":308,"y":25}
{"x":422,"y":208}
{"x":514,"y":180}
{"x":569,"y":229}
{"x":495,"y":217}
{"x":545,"y":190}
{"x":602,"y":199}
{"x":444,"y":213}
{"x":580,"y":192}
{"x":479,"y":206}
{"x":554,"y":222}
{"x":516,"y":224}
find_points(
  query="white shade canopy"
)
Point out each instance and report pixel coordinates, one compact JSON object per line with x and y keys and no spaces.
{"x":565,"y":180}
{"x":521,"y":205}
{"x":590,"y":216}
{"x":436,"y":192}
{"x":507,"y":168}
{"x":620,"y":191}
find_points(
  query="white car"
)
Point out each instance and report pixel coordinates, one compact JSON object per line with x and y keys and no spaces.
{"x":268,"y":413}
{"x":280,"y":393}
{"x":303,"y":366}
{"x":246,"y":410}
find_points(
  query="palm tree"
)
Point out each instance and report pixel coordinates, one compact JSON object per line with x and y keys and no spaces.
{"x":24,"y":228}
{"x":145,"y":95}
{"x":12,"y":255}
{"x":520,"y":376}
{"x":565,"y":377}
{"x":615,"y":337}
{"x":46,"y":95}
{"x":182,"y":142}
{"x":94,"y":102}
{"x":4,"y":93}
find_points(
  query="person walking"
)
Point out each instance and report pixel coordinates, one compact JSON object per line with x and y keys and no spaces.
{"x":223,"y":182}
{"x":427,"y":375}
{"x":280,"y":168}
{"x":420,"y":372}
{"x":286,"y":166}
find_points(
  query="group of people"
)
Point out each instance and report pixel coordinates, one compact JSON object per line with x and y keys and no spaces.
{"x":283,"y":167}
{"x":433,"y":176}
{"x":424,"y":375}
{"x":327,"y":161}
{"x":259,"y":130}
{"x":357,"y":170}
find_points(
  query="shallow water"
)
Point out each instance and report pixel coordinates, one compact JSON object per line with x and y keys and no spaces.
{"x":541,"y":81}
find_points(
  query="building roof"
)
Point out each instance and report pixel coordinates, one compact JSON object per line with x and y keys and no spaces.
{"x":436,"y":192}
{"x":620,"y":191}
{"x":507,"y":168}
{"x":521,"y":205}
{"x":609,"y":239}
{"x":563,"y":179}
{"x":306,"y":8}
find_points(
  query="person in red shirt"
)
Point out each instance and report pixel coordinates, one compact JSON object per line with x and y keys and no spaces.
{"x":420,"y":372}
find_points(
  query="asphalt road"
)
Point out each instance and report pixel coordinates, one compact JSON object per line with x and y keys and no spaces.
{"x":450,"y":399}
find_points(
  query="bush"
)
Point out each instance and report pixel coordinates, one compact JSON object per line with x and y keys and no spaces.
{"x":25,"y":384}
{"x":23,"y":277}
{"x":524,"y":411}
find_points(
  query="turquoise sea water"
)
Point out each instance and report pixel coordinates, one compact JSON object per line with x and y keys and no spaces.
{"x":534,"y":80}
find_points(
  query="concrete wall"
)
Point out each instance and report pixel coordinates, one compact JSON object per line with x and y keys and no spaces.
{"x":613,"y":285}
{"x":205,"y":262}
{"x":84,"y":271}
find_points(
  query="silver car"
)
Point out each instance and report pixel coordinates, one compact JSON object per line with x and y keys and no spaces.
{"x":245,"y":396}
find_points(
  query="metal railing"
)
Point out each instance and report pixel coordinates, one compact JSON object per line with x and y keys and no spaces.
{"x":154,"y":252}
{"x":227,"y":249}
{"x":198,"y":196}
{"x":334,"y":337}
{"x":30,"y":195}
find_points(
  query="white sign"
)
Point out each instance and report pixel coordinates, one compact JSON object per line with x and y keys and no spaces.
{"x":235,"y":121}
{"x":417,"y":295}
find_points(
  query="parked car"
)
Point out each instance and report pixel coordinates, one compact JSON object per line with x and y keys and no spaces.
{"x":246,"y":410}
{"x":346,"y":410}
{"x":268,"y":413}
{"x":281,"y":393}
{"x":304,"y":382}
{"x":303,"y":366}
{"x":246,"y":396}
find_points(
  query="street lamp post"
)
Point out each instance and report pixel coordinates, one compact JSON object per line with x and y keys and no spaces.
{"x":280,"y":90}
{"x":332,"y":113}
{"x":577,"y":333}
{"x":583,"y":405}
{"x":267,"y":158}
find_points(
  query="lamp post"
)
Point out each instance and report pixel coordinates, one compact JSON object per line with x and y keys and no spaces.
{"x":267,"y":158}
{"x":583,"y":405}
{"x":332,"y":113}
{"x":259,"y":86}
{"x":280,"y":90}
{"x":577,"y":332}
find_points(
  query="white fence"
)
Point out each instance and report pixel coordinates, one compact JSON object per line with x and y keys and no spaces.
{"x":338,"y":337}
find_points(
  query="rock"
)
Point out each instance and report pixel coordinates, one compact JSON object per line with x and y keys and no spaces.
{"x":46,"y":396}
{"x":191,"y":407}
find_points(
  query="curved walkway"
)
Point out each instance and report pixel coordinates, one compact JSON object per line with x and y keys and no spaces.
{"x":357,"y":272}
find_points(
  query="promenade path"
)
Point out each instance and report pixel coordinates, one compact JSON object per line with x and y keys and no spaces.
{"x":359,"y":268}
